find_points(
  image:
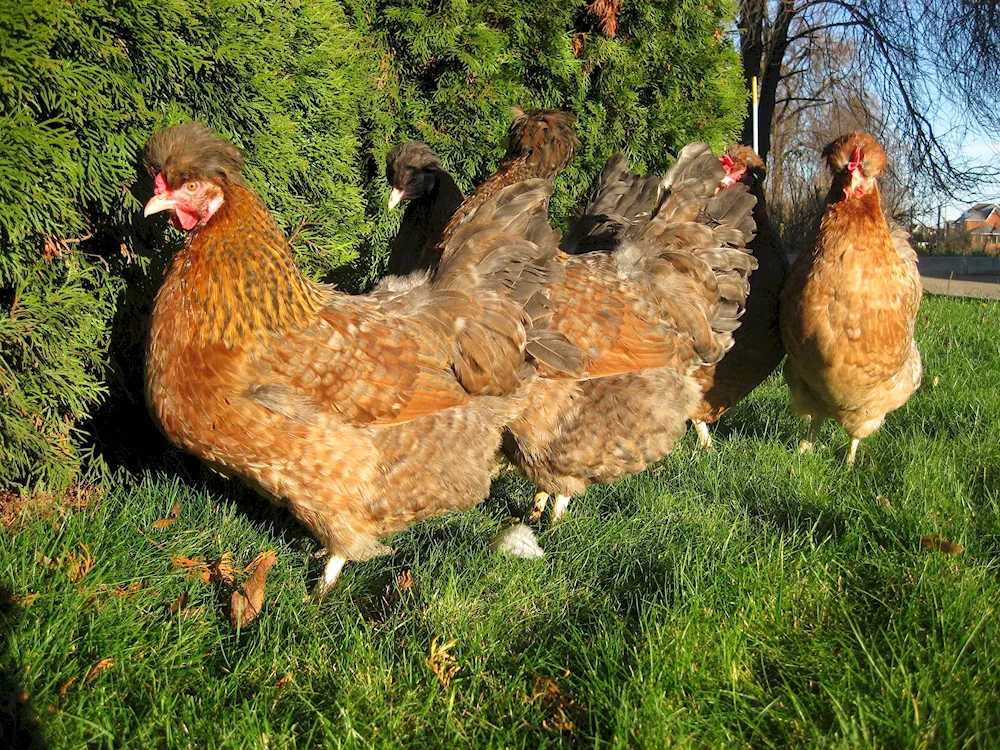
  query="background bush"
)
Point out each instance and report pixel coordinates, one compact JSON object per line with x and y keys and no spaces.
{"x":315,"y":92}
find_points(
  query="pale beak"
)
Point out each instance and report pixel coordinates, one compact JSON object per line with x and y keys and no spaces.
{"x":158,"y":203}
{"x":855,"y":188}
{"x":395,"y":197}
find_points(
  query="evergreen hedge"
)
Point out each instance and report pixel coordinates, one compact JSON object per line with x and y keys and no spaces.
{"x":315,"y":92}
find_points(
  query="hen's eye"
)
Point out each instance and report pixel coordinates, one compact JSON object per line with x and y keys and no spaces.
{"x":191,"y":187}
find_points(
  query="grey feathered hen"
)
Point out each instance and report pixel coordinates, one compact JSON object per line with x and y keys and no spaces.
{"x":647,"y":315}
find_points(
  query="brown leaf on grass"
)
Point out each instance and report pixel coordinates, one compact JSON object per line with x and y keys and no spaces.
{"x":224,"y":570}
{"x":936,"y":382}
{"x":77,"y":566}
{"x":196,"y":567}
{"x":441,"y":662}
{"x":405,"y":580}
{"x":128,"y":591}
{"x":17,"y":508}
{"x":938,"y":543}
{"x":283,"y":681}
{"x":46,"y":561}
{"x":179,"y":604}
{"x":165,"y":522}
{"x":565,"y":710}
{"x":61,"y":690}
{"x":247,"y":602}
{"x":24,"y":600}
{"x":95,"y":670}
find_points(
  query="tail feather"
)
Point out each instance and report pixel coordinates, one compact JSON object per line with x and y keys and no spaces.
{"x":618,"y":202}
{"x":505,"y":253}
{"x":693,"y":250}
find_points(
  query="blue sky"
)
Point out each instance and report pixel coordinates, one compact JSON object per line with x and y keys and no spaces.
{"x":978,"y":149}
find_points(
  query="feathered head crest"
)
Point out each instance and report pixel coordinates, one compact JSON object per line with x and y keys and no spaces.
{"x":192,"y":152}
{"x":856,"y":148}
{"x":546,"y":137}
{"x":413,"y":155}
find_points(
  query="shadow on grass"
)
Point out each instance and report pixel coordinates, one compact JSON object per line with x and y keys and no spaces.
{"x":19,"y":727}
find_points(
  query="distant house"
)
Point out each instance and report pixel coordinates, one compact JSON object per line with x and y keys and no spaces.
{"x":982,"y":222}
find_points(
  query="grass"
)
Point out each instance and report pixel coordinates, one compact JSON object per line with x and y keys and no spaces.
{"x":741,"y":598}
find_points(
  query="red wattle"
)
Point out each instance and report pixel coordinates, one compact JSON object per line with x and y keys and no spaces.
{"x":186,"y":219}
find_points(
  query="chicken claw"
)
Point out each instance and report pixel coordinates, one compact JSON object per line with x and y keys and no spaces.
{"x":333,"y":567}
{"x":853,"y":452}
{"x":538,"y":507}
{"x":704,"y":436}
{"x":559,"y":509}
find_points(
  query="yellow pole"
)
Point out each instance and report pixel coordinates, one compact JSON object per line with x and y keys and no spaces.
{"x":755,"y":99}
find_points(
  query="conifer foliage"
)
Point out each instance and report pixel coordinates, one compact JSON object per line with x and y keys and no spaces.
{"x":315,"y":92}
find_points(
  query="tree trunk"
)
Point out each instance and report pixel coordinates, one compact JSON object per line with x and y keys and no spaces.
{"x":762,"y":57}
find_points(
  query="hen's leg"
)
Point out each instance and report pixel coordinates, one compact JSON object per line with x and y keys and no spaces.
{"x":812,"y":435}
{"x":704,"y":436}
{"x":853,"y":452}
{"x":333,"y":567}
{"x":538,"y":507}
{"x":559,"y":509}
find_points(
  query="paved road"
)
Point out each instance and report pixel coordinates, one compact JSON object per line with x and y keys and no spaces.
{"x":983,"y":285}
{"x":942,"y":275}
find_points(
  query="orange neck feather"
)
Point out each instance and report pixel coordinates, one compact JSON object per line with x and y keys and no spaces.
{"x":235,"y":279}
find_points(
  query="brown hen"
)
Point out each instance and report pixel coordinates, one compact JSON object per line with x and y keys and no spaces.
{"x":646,"y":316}
{"x":360,"y":414}
{"x":850,"y":305}
{"x":540,"y":144}
{"x":757,"y":347}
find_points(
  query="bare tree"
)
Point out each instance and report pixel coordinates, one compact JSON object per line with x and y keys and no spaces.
{"x":907,"y":55}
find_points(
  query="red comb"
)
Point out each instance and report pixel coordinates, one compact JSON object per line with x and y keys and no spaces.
{"x":727,"y":163}
{"x":159,"y":184}
{"x":855,"y":163}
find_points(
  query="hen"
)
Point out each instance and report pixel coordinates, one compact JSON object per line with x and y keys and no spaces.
{"x":646,"y":316}
{"x":336,"y":406}
{"x":417,"y":175}
{"x":757,"y":349}
{"x":540,"y":145}
{"x":850,"y":305}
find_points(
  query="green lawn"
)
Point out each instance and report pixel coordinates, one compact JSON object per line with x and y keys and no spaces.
{"x":746,"y":597}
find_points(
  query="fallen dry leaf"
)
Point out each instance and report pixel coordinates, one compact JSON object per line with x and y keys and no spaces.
{"x":128,"y":591}
{"x":441,"y":662}
{"x":246,"y":604}
{"x":936,"y":382}
{"x":17,"y":508}
{"x":220,"y":570}
{"x":195,"y":567}
{"x":405,"y":580}
{"x":66,"y":686}
{"x":95,"y":670}
{"x":938,"y":543}
{"x":179,"y":604}
{"x":77,"y":566}
{"x":165,"y":522}
{"x":224,"y":570}
{"x":564,"y":708}
{"x":25,"y":600}
{"x":283,"y":681}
